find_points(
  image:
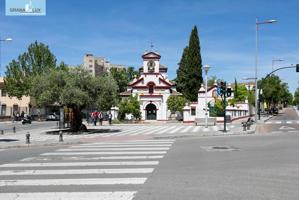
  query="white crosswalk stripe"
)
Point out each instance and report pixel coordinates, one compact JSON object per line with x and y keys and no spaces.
{"x":122,"y":164}
{"x":69,"y":196}
{"x":161,"y":130}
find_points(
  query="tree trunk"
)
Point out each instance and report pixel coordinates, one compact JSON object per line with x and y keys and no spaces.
{"x":76,"y":119}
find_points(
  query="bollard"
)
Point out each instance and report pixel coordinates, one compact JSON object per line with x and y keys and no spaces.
{"x":248,"y":126}
{"x":60,"y":136}
{"x":14,"y":129}
{"x":2,"y":132}
{"x":28,"y":138}
{"x":244,"y":126}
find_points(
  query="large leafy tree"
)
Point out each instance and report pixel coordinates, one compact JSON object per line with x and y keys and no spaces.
{"x":76,"y":89}
{"x":274,"y":91}
{"x":36,"y":60}
{"x":176,"y":103}
{"x":129,"y":105}
{"x":190,"y":69}
{"x":296,"y":97}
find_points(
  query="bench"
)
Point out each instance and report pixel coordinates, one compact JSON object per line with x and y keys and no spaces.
{"x":202,"y":121}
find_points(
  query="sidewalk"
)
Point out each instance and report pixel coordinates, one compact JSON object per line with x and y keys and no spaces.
{"x":38,"y":137}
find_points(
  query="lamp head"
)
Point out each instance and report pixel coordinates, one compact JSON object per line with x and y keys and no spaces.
{"x":8,"y":39}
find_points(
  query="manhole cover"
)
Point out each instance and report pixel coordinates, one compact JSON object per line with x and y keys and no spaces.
{"x":220,"y":148}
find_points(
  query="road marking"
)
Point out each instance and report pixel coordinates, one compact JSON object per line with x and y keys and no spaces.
{"x":106,"y":153}
{"x":286,"y":128}
{"x":165,"y":130}
{"x":93,"y":158}
{"x":153,"y":130}
{"x":125,"y":195}
{"x":176,"y":130}
{"x":88,"y":181}
{"x":186,"y":129}
{"x":278,"y":122}
{"x":123,"y":145}
{"x":68,"y":164}
{"x":196,"y":128}
{"x":268,"y":122}
{"x":293,"y":131}
{"x":132,"y":143}
{"x":116,"y":149}
{"x":77,"y":171}
{"x":289,"y":122}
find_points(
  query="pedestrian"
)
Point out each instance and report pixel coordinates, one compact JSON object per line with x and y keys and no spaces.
{"x":94,"y":116}
{"x":110,"y":118}
{"x":100,"y":116}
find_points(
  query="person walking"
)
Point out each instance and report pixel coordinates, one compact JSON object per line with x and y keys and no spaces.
{"x":110,"y":118}
{"x":94,"y":116}
{"x":100,"y":116}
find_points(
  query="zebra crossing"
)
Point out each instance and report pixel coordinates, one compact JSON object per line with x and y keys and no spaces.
{"x":101,"y":171}
{"x":134,"y":130}
{"x":282,"y":122}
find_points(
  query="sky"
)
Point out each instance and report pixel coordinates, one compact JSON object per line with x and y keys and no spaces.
{"x":121,"y":31}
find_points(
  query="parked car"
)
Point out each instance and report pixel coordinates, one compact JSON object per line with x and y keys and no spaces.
{"x":52,"y":117}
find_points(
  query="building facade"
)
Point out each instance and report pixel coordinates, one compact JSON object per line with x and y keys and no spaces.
{"x":196,"y":110}
{"x":10,"y":105}
{"x":98,"y":65}
{"x":152,"y":88}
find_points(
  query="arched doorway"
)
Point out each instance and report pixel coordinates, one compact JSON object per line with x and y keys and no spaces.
{"x":151,"y":112}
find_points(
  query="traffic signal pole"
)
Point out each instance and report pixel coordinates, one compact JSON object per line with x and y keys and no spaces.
{"x":224,"y":106}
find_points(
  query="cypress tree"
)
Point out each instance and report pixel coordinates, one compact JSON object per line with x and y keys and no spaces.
{"x":236,"y":90}
{"x":182,"y":72}
{"x":194,"y":67}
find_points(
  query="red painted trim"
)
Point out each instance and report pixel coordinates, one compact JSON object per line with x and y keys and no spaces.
{"x":166,"y":82}
{"x":151,"y":95}
{"x":188,"y":121}
{"x":162,"y":87}
{"x":151,"y":73}
{"x":140,"y":87}
{"x":137,"y":81}
{"x":214,"y":86}
{"x":146,"y":55}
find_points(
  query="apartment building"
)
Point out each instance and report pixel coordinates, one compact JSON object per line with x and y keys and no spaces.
{"x":98,"y":65}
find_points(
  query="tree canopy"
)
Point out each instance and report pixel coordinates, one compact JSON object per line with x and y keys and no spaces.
{"x":274,"y":91}
{"x":36,"y":60}
{"x":189,"y":74}
{"x":176,"y":103}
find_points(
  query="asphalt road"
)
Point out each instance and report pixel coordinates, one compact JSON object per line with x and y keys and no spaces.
{"x":286,"y":121}
{"x":262,"y":166}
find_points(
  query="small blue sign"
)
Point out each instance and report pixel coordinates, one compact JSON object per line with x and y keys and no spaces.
{"x":25,"y":7}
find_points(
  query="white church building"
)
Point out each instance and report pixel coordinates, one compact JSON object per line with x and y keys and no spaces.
{"x":152,"y":88}
{"x":196,"y":110}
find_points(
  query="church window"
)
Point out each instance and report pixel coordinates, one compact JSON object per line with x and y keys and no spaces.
{"x":193,"y":111}
{"x":151,"y":89}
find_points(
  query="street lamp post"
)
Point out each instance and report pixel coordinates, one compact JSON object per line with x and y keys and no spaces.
{"x":3,"y":40}
{"x":275,"y":60}
{"x":257,"y":24}
{"x":206,"y":69}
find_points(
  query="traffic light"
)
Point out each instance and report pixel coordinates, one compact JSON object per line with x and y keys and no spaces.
{"x":222,"y":87}
{"x":297,"y":68}
{"x":229,"y":92}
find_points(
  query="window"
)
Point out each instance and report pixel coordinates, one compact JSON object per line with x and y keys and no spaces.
{"x":151,"y":89}
{"x":3,"y":110}
{"x":193,"y":111}
{"x":90,"y":65}
{"x":3,"y":92}
{"x":90,"y":60}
